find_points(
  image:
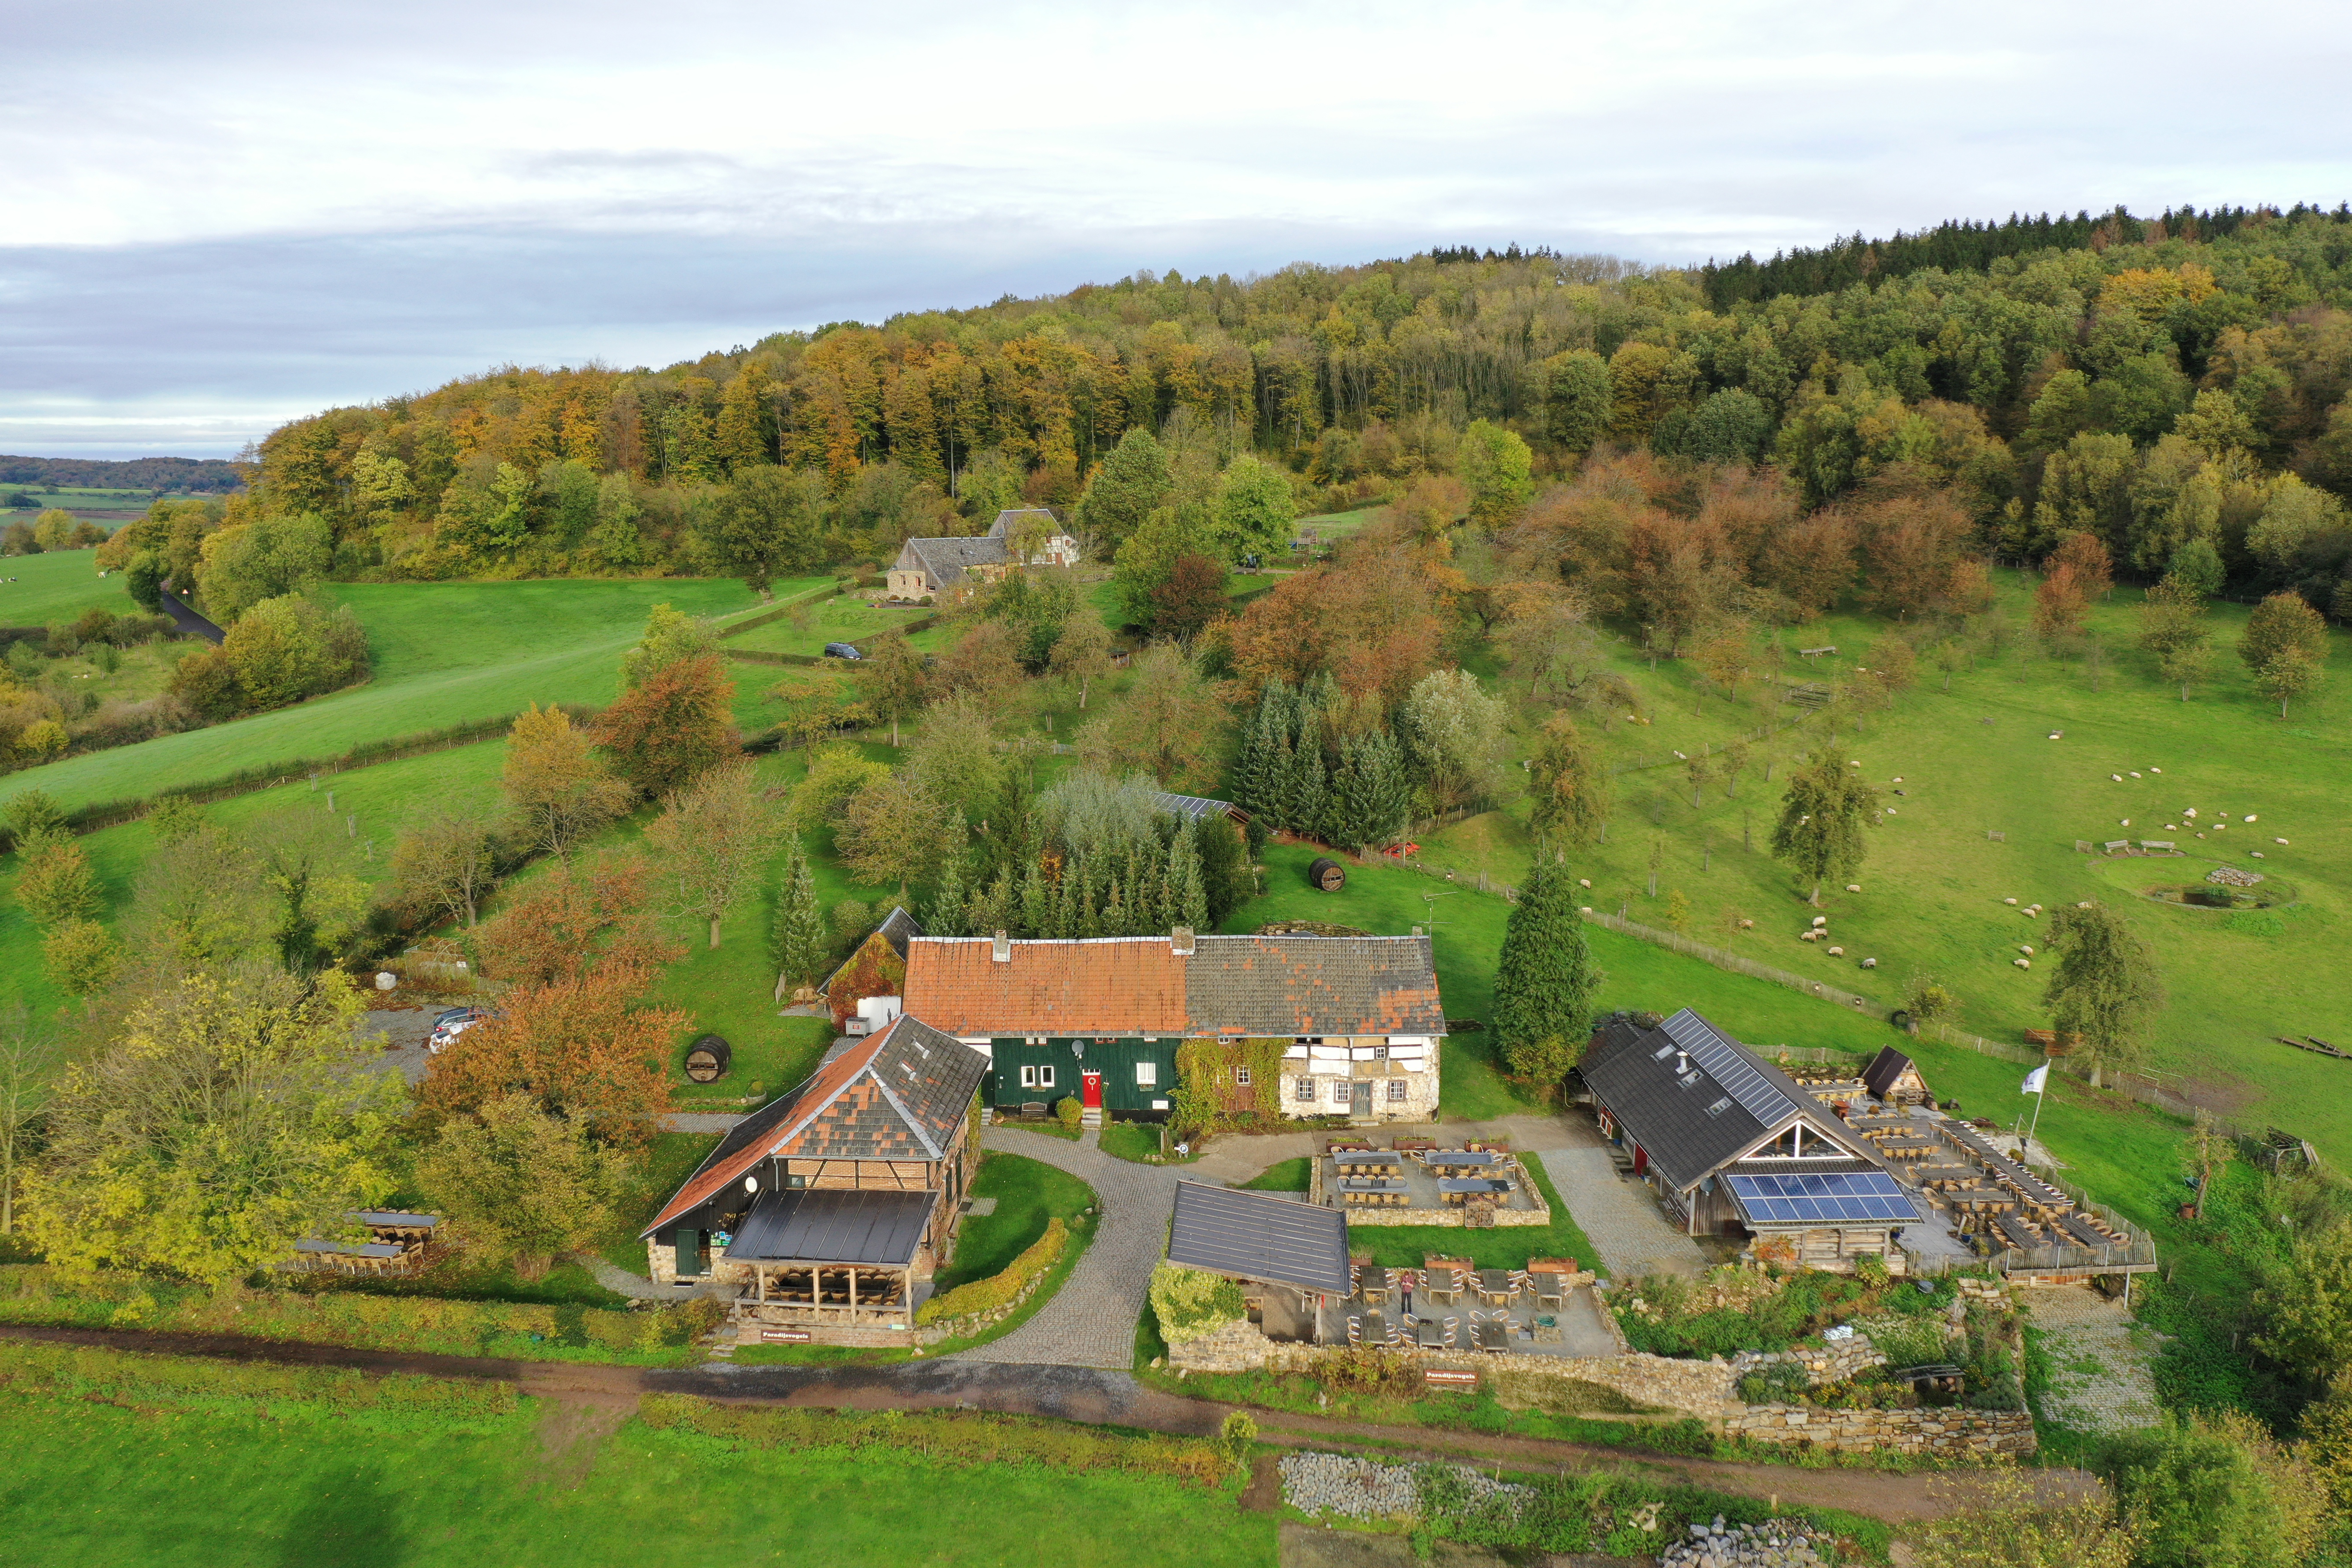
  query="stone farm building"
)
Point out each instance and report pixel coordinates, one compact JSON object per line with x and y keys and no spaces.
{"x":1346,"y":1027}
{"x":1735,"y":1147}
{"x":925,"y":568}
{"x":827,"y":1210}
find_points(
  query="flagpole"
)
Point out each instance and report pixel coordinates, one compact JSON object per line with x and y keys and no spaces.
{"x":2038,"y":1096}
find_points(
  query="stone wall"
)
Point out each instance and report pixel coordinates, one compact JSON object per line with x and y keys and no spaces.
{"x":1825,"y":1362}
{"x":1942,"y":1433}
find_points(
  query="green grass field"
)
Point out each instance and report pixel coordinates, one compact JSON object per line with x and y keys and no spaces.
{"x":848,"y":618}
{"x":1979,"y":760}
{"x":57,"y":586}
{"x":443,"y":653}
{"x":1028,"y":1193}
{"x":92,"y":1484}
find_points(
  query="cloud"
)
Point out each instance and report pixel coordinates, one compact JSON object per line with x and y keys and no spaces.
{"x":267,"y":207}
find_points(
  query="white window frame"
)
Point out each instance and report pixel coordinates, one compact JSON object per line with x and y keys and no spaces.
{"x":1241,"y":1077}
{"x":1147,"y":1074}
{"x":1037,"y":1075}
{"x":1307,"y":1094}
{"x":1343,"y":1091}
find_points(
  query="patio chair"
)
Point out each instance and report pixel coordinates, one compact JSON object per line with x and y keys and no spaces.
{"x":1453,"y":1332}
{"x":1354,"y":1330}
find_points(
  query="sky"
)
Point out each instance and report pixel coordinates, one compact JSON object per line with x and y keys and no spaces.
{"x":216,"y":218}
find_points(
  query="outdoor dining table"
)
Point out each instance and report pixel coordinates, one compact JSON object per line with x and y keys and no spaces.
{"x":1462,"y":1159}
{"x":2015,"y":1231}
{"x":1371,"y":1280}
{"x":2086,"y":1232}
{"x":1495,"y":1284}
{"x":1493,"y":1336}
{"x":1461,"y":1189}
{"x":1377,"y":1330}
{"x":1429,"y":1334}
{"x":1368,"y":1162}
{"x":1371,"y":1190}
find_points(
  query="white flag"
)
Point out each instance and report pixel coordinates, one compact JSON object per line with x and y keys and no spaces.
{"x":2035,"y":1079}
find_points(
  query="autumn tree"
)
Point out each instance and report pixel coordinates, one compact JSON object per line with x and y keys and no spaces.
{"x":443,"y":861}
{"x":2282,"y":621}
{"x":1170,"y":724}
{"x":1812,"y":561}
{"x":28,"y":1054}
{"x":1819,"y":833}
{"x":2093,"y":568}
{"x":671,"y":637}
{"x":521,"y":1185}
{"x":2104,"y":988}
{"x":2060,"y":603}
{"x":985,"y":663}
{"x":768,"y":523}
{"x":80,"y":958}
{"x":675,"y":725}
{"x":894,"y":830}
{"x":713,"y":839}
{"x":956,"y":757}
{"x":2292,"y":672}
{"x":834,"y":776}
{"x":2172,"y":626}
{"x":1252,"y":512}
{"x":1082,"y":653}
{"x":581,"y":1045}
{"x":199,"y":903}
{"x":1909,"y":547}
{"x":55,"y":882}
{"x":561,"y":791}
{"x":1133,"y":482}
{"x":1497,"y":466}
{"x":894,"y":678}
{"x":1184,"y":601}
{"x":1568,"y":787}
{"x":231,"y":1113}
{"x":2008,"y":1519}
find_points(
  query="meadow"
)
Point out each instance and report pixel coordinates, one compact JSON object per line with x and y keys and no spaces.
{"x":56,"y":585}
{"x":848,"y":618}
{"x":442,"y":653}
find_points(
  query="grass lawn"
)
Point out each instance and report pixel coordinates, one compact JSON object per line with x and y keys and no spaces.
{"x":58,"y":586}
{"x":1282,"y":1176}
{"x":1138,"y":1142}
{"x":443,"y":653}
{"x":1504,"y":1246}
{"x":847,"y":618}
{"x":1028,"y":1193}
{"x":95,"y":1484}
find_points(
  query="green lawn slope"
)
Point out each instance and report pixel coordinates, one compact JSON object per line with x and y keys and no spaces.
{"x":57,"y":586}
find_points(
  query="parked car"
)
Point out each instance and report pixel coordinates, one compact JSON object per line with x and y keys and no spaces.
{"x":450,"y":1024}
{"x":842,"y":650}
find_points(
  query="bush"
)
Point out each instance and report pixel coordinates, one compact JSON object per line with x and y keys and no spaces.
{"x":207,"y":680}
{"x":1191,"y":1303}
{"x":1068,"y":1112}
{"x":1776,"y":1383}
{"x":1001,"y":1287}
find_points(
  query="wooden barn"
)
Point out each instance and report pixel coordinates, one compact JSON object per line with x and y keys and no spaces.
{"x":1733,"y":1147}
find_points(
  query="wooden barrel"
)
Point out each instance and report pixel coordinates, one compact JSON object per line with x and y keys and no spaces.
{"x":707,"y":1059}
{"x":1326,"y":875}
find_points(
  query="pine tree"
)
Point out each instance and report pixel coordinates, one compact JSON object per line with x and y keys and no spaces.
{"x":1036,"y":904}
{"x":1545,"y":982}
{"x":948,"y":914}
{"x":800,"y":946}
{"x":1187,"y":897}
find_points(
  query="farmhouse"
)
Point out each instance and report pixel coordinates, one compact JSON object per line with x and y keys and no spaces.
{"x":927,"y":567}
{"x":828,"y":1209}
{"x":1733,"y":1146}
{"x":1345,"y":1026}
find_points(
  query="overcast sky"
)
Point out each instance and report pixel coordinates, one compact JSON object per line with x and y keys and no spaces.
{"x":213,"y":219}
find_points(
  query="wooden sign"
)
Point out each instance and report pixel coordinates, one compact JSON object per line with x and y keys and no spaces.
{"x":1441,"y":1377}
{"x":788,"y":1336}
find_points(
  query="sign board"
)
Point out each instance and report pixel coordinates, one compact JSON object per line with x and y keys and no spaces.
{"x":788,"y":1336}
{"x":1440,"y":1377}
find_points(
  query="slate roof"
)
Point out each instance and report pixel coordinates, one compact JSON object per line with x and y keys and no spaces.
{"x":1723,"y":1101}
{"x":1260,"y":1235}
{"x":1884,"y":1068}
{"x":897,"y":1095}
{"x":824,"y":1224}
{"x":1002,"y":527}
{"x":946,"y":560}
{"x":1265,"y":986}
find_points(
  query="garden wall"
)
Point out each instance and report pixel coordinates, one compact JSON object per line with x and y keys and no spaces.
{"x":1945,"y":1434}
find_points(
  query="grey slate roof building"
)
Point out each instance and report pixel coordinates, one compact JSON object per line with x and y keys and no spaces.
{"x":933,"y":565}
{"x":1719,"y":1133}
{"x":945,"y":560}
{"x":1260,"y":1237}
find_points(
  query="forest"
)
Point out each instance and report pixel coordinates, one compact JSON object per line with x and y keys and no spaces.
{"x":196,"y":475}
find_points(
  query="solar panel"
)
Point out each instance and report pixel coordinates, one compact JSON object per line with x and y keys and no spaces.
{"x":1724,"y":1062}
{"x":1822,"y":1198}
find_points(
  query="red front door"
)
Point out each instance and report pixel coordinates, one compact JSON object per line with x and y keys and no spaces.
{"x":1640,"y":1158}
{"x":1091,"y":1090}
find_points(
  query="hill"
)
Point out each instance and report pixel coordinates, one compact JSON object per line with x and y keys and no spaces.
{"x":189,"y":475}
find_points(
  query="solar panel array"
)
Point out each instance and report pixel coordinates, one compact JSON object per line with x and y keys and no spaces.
{"x":1726,"y":1065}
{"x":1829,"y":1198}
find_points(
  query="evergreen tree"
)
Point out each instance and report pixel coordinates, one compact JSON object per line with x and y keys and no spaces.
{"x":1372,"y":801}
{"x":1037,"y":912}
{"x":948,"y":914}
{"x":1545,"y":982}
{"x":1187,"y":897}
{"x":800,"y":945}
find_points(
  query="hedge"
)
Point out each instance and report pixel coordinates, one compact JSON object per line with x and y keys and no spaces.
{"x":999,"y":1289}
{"x":1191,"y":1303}
{"x":140,"y":1381}
{"x":323,"y":1312}
{"x":950,"y":1437}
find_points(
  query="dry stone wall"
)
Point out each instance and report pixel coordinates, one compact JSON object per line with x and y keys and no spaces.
{"x":1939,"y":1433}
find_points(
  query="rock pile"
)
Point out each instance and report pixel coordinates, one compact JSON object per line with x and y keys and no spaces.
{"x":1359,"y":1489}
{"x":1775,"y":1544}
{"x":2229,"y":876}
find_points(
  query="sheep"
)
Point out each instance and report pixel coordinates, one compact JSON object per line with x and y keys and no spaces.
{"x":1746,"y":925}
{"x":2023,"y":962}
{"x":2250,"y":816}
{"x":2280,"y":841}
{"x":1820,"y":920}
{"x":1837,"y":952}
{"x":2027,"y":951}
{"x":1853,"y":887}
{"x":1584,"y":881}
{"x":1870,"y":963}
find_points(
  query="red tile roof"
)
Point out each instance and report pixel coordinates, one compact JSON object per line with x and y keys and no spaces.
{"x":1112,"y":985}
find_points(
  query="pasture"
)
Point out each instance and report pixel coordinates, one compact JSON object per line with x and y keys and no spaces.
{"x":848,"y":618}
{"x":56,"y":585}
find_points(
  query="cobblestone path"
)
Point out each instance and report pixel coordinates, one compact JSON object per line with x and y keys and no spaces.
{"x":2101,"y":1376}
{"x":1090,"y":1321}
{"x":1623,"y":1221}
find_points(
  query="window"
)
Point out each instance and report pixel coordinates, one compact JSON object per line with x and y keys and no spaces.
{"x":1035,"y":1076}
{"x":1241,"y":1076}
{"x":1342,"y":1091}
{"x":1396,"y":1090}
{"x":1380,"y":1052}
{"x":1147,"y":1073}
{"x":1305,"y":1089}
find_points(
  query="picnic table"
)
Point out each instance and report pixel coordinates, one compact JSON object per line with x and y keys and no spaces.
{"x":1496,"y":1285}
{"x":1493,"y":1336}
{"x":1371,"y":1280}
{"x":2016,"y":1232}
{"x":1462,"y":1159}
{"x":2086,"y":1232}
{"x":1460,"y":1189}
{"x":1428,"y":1333}
{"x":1945,"y":1176}
{"x":1368,"y":1162}
{"x":1369,"y":1190}
{"x":1442,"y":1277}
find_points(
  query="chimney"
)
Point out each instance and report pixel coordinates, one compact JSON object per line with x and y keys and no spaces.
{"x":1003,"y":951}
{"x":1179,"y":942}
{"x":1681,"y":1063}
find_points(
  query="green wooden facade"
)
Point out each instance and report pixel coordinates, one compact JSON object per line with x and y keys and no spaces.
{"x":1115,"y":1059}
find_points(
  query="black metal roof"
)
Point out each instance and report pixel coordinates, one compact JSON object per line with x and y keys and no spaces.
{"x":1884,"y":1068}
{"x":1691,"y":1096}
{"x":828,"y":1225}
{"x":1260,"y":1235}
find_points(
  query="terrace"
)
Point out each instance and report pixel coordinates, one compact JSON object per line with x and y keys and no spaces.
{"x":1418,"y":1183}
{"x":1545,"y":1308}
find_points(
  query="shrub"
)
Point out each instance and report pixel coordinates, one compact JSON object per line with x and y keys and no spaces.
{"x":1776,"y":1383}
{"x":1870,"y":1269}
{"x":1191,"y":1303}
{"x":207,"y":680}
{"x":1068,"y":1112}
{"x":1001,"y":1287}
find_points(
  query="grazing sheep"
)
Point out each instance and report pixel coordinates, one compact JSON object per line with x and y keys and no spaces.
{"x":1820,"y":920}
{"x":1746,"y":925}
{"x":1853,"y":887}
{"x":1837,"y":952}
{"x":1870,"y":963}
{"x":2023,"y":962}
{"x":2027,"y":951}
{"x":2008,"y":900}
{"x":2278,"y":841}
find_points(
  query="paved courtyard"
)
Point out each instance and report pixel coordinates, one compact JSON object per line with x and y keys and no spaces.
{"x":2100,"y":1361}
{"x":1621,"y":1219}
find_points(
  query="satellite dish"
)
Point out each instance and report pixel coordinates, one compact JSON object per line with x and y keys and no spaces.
{"x":750,"y":1183}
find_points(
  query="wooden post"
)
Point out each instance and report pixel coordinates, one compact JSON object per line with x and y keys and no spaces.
{"x":853,"y":1295}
